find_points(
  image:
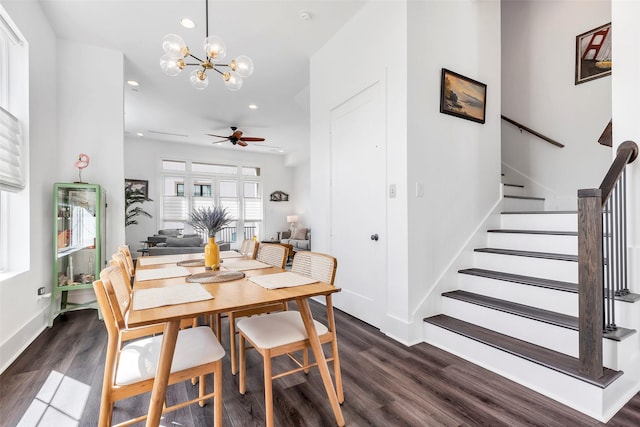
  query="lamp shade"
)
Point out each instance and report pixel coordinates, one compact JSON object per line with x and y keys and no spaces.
{"x":292,"y":218}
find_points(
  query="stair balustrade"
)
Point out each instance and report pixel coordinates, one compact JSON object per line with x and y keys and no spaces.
{"x":602,"y":258}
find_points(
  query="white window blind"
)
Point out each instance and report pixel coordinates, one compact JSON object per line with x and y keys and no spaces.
{"x":11,"y":171}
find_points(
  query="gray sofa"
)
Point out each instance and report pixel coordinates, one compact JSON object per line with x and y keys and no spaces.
{"x":169,"y":242}
{"x":301,"y":240}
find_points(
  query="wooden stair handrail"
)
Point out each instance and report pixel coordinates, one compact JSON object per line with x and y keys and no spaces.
{"x":591,"y":281}
{"x":531,"y":131}
{"x":627,"y":152}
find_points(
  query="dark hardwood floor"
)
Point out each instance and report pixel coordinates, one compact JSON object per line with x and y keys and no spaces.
{"x":385,"y":384}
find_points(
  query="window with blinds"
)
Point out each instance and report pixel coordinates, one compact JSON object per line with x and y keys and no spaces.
{"x":11,"y":170}
{"x":191,"y":185}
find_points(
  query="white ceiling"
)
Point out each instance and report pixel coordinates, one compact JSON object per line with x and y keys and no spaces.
{"x":271,"y":33}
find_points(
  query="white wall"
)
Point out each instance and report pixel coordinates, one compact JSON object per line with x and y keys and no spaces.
{"x":76,"y":106}
{"x":302,"y":193}
{"x":457,"y":161}
{"x":625,"y":92}
{"x":371,"y":47}
{"x":91,"y":121}
{"x":142,"y":161}
{"x":538,"y":90}
{"x":22,"y":316}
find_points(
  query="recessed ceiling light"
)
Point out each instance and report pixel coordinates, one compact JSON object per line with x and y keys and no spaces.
{"x":187,"y":23}
{"x":133,"y":83}
{"x":253,"y":106}
{"x":140,"y":134}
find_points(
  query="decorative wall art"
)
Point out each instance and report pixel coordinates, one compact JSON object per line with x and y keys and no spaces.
{"x":137,"y":185}
{"x":462,"y":97}
{"x":279,"y":196}
{"x":593,"y":54}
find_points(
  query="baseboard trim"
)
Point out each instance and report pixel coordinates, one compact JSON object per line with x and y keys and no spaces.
{"x":15,"y":345}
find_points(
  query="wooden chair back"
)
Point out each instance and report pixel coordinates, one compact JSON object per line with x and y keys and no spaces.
{"x":249,"y":248}
{"x":271,"y":254}
{"x":316,"y":265}
{"x":121,"y":259}
{"x":124,"y":249}
{"x":118,"y":292}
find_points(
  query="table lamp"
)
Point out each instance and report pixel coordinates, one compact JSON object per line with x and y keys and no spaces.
{"x":292,"y":219}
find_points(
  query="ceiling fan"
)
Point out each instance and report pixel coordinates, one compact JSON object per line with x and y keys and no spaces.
{"x":236,"y":138}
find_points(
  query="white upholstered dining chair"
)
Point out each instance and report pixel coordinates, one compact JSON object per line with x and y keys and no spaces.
{"x":130,"y":367}
{"x":276,"y":256}
{"x":283,"y":333}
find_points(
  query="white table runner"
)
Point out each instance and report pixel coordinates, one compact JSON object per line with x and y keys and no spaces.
{"x":167,"y":259}
{"x":245,"y":264}
{"x":161,"y":273}
{"x":170,"y":295}
{"x":282,"y":280}
{"x":230,"y":254}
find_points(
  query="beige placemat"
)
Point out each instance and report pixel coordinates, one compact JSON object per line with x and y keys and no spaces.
{"x":215,"y":276}
{"x":161,"y":273}
{"x":165,"y":259}
{"x":245,"y":264}
{"x":170,"y":295}
{"x":230,"y":254}
{"x":282,"y":280}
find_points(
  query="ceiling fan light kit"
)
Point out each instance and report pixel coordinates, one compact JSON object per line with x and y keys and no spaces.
{"x":176,"y":51}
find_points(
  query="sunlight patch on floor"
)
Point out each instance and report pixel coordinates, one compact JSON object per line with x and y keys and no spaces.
{"x":60,"y":402}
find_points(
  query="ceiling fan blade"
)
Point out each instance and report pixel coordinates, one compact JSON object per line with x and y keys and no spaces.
{"x":237,"y":134}
{"x":251,"y":138}
{"x":218,"y":136}
{"x":220,"y":142}
{"x":242,"y":143}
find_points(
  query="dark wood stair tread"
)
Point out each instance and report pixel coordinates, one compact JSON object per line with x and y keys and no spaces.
{"x":513,"y":185}
{"x":540,"y":355}
{"x":538,"y":212}
{"x":530,"y":254}
{"x":523,"y":197}
{"x":525,"y":280}
{"x":543,"y":232}
{"x":534,"y":313}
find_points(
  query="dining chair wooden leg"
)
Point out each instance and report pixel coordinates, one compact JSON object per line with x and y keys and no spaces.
{"x":305,"y":359}
{"x":232,"y":343}
{"x":268,"y":389}
{"x":337,"y":374}
{"x":243,"y":366}
{"x":202,"y":386}
{"x":217,"y":398}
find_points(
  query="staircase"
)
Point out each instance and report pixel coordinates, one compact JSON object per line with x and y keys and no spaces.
{"x":515,"y":311}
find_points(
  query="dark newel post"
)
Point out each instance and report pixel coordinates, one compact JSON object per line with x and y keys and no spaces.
{"x":590,"y":286}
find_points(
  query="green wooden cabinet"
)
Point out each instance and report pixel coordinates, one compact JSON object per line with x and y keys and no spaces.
{"x":78,"y":246}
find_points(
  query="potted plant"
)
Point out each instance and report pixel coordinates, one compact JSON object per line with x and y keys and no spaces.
{"x":132,"y":198}
{"x":210,"y":219}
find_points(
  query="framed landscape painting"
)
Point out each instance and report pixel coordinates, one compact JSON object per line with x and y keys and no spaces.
{"x":137,"y":185}
{"x":462,"y":97}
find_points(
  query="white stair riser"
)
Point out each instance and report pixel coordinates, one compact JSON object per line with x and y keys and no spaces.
{"x":509,"y":190}
{"x":535,"y":242}
{"x":545,"y":222}
{"x":574,"y":393}
{"x":547,"y":299}
{"x":517,"y":205}
{"x":565,"y":271}
{"x":546,"y":335}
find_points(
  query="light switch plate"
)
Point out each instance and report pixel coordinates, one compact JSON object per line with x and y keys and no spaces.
{"x":393,"y":192}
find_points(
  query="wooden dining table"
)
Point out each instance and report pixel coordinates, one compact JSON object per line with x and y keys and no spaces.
{"x":227,"y":296}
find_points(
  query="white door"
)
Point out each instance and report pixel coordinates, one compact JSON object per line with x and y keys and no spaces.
{"x":358,"y":203}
